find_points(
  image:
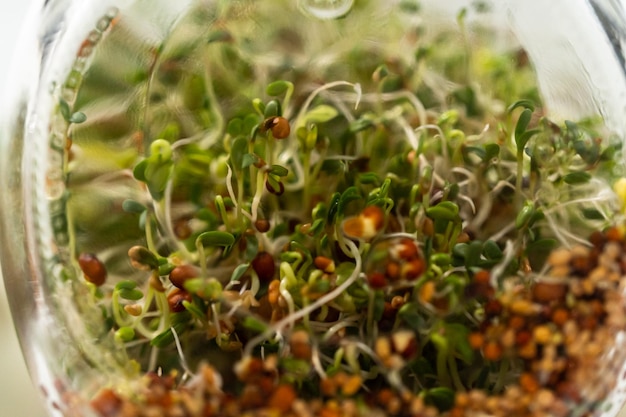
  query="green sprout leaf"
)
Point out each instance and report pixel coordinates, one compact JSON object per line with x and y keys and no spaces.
{"x":237,"y":152}
{"x":132,"y":295}
{"x":166,"y":337}
{"x":132,"y":206}
{"x":321,"y":114}
{"x":278,"y":170}
{"x":577,"y":177}
{"x":64,"y":108}
{"x":278,"y":88}
{"x":215,"y":238}
{"x":239,"y":271}
{"x":77,"y":118}
{"x":125,"y":334}
{"x":440,"y":397}
{"x":126,"y":284}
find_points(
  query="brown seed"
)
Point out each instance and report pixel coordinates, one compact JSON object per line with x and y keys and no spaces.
{"x":427,"y":292}
{"x":93,"y":269}
{"x":482,"y":277}
{"x":351,"y":385}
{"x":397,"y":302}
{"x":476,"y":340}
{"x":273,"y":292}
{"x":407,"y":249}
{"x":528,"y":382}
{"x":492,"y":351}
{"x":182,"y":273}
{"x":377,"y":280}
{"x":392,"y":270}
{"x":413,"y":270}
{"x":545,"y":292}
{"x":428,"y":227}
{"x":325,"y":264}
{"x":385,"y":396}
{"x":175,"y":300}
{"x":264,"y":265}
{"x":328,"y":386}
{"x":262,"y":225}
{"x":107,"y":403}
{"x":560,"y":316}
{"x":133,"y":309}
{"x":405,"y":343}
{"x":282,"y":399}
{"x":376,"y":215}
{"x":542,"y":334}
{"x":389,"y":312}
{"x":300,"y":345}
{"x":523,"y":337}
{"x":613,"y":234}
{"x":280,"y":127}
{"x":182,"y":230}
{"x":516,"y":322}
{"x":493,"y":308}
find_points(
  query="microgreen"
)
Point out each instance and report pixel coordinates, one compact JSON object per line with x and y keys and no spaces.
{"x":352,"y":236}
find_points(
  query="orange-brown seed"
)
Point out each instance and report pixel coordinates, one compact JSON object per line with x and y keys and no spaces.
{"x":325,"y":264}
{"x":560,"y":316}
{"x":392,"y":270}
{"x":300,"y":345}
{"x":182,"y":273}
{"x":482,"y":277}
{"x":280,"y":127}
{"x":476,"y":340}
{"x":264,"y":265}
{"x":407,"y":249}
{"x":427,"y":292}
{"x":282,"y":399}
{"x":328,"y":386}
{"x":492,"y":351}
{"x":262,"y":225}
{"x":412,"y":270}
{"x":273,"y":291}
{"x":375,"y":214}
{"x":175,"y":300}
{"x":544,"y":292}
{"x":528,"y":382}
{"x":93,"y":269}
{"x":107,"y":403}
{"x":377,"y":280}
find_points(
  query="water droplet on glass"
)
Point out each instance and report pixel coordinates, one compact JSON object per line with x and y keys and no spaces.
{"x":326,"y":9}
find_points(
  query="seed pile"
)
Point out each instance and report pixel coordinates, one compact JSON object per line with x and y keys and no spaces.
{"x":560,"y":327}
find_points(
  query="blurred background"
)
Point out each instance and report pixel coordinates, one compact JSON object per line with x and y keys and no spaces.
{"x":18,"y":397}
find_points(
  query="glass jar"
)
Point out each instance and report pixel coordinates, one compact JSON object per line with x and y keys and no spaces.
{"x":416,"y":208}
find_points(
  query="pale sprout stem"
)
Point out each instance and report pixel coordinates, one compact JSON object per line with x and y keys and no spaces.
{"x":284,"y":292}
{"x":218,"y":128}
{"x":442,"y":137}
{"x":317,"y":363}
{"x":337,"y":327}
{"x":409,"y":132}
{"x":509,"y":253}
{"x":181,"y":355}
{"x":154,"y":355}
{"x":216,"y":322}
{"x":165,"y":219}
{"x":317,"y":91}
{"x":256,"y":200}
{"x":299,"y":171}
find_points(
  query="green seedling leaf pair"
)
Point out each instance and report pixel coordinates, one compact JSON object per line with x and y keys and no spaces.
{"x":156,"y":169}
